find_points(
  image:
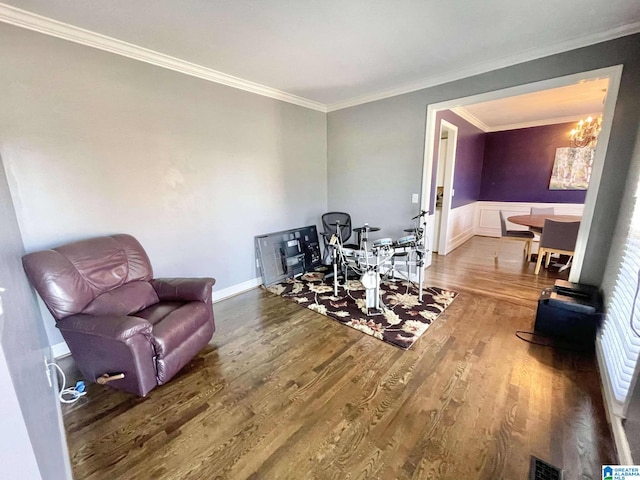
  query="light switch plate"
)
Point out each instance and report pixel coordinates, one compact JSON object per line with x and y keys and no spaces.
{"x":415,"y":198}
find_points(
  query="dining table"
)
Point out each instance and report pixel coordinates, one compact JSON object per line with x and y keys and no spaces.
{"x":536,"y":222}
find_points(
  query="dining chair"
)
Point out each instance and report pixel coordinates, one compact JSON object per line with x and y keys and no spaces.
{"x":557,"y":237}
{"x":521,"y":235}
{"x":540,"y":211}
{"x":543,"y":211}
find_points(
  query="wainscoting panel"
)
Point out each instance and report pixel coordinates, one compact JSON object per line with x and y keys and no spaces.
{"x":482,"y":218}
{"x":488,"y":218}
{"x":461,"y":226}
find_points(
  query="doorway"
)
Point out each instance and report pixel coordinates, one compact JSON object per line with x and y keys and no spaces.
{"x":428,"y":199}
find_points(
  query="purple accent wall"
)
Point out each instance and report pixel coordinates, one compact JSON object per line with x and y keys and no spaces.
{"x":469,"y":158}
{"x":518,"y":165}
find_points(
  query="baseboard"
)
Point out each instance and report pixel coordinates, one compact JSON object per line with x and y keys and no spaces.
{"x":613,"y":410}
{"x":460,"y":240}
{"x":61,"y":349}
{"x":237,"y":289}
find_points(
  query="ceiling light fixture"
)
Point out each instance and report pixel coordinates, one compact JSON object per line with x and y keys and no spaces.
{"x":586,"y":132}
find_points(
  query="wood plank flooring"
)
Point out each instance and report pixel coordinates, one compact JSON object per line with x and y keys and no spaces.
{"x":284,"y":393}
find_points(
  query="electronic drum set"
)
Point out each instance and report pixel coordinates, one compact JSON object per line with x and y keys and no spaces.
{"x":376,"y":260}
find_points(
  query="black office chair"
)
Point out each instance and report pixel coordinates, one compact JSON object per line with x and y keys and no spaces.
{"x":330,"y":228}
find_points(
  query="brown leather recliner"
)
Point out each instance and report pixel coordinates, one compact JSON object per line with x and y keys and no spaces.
{"x":115,"y":317}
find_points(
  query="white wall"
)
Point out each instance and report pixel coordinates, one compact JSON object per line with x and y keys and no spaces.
{"x":94,"y":143}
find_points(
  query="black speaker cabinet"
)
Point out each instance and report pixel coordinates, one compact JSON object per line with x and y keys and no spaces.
{"x":571,"y":312}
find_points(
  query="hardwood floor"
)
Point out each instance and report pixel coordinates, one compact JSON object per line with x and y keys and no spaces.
{"x":283,"y":392}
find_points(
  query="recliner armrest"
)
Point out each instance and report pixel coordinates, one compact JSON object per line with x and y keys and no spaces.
{"x":185,"y":289}
{"x":112,"y":327}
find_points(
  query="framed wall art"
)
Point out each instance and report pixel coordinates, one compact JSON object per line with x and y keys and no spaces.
{"x":572,"y":168}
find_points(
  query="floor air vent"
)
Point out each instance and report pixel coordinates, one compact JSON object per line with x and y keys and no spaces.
{"x":541,"y":470}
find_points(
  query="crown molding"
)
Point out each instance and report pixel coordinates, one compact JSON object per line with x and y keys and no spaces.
{"x":472,"y":119}
{"x":476,"y":122}
{"x":484,"y":67}
{"x":540,"y":123}
{"x":31,"y":21}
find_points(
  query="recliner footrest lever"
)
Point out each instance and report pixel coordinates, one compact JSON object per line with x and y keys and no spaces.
{"x":106,"y":378}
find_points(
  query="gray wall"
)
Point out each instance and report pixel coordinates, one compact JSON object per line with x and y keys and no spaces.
{"x":375,"y":150}
{"x":625,"y":215}
{"x":375,"y":155}
{"x":17,"y":457}
{"x":23,"y":346}
{"x":95,"y":143}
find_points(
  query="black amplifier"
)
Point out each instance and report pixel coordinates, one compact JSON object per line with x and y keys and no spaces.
{"x":571,"y":312}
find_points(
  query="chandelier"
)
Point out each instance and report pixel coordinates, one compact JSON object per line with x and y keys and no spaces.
{"x":586,"y":132}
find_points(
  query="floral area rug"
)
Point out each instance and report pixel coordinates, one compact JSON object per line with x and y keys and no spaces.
{"x":404,"y":318}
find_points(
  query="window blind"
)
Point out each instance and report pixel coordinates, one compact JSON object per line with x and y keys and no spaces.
{"x":620,"y":343}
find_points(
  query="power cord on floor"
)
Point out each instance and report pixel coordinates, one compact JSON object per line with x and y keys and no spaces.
{"x":519,"y":334}
{"x":72,"y":394}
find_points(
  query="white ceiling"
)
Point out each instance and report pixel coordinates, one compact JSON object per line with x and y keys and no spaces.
{"x":558,"y":105}
{"x":340,"y":52}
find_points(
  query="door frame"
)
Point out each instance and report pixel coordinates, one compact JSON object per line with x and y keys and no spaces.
{"x":613,"y":73}
{"x":449,"y":168}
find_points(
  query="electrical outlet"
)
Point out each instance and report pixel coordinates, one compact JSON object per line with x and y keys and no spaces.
{"x":47,"y":370}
